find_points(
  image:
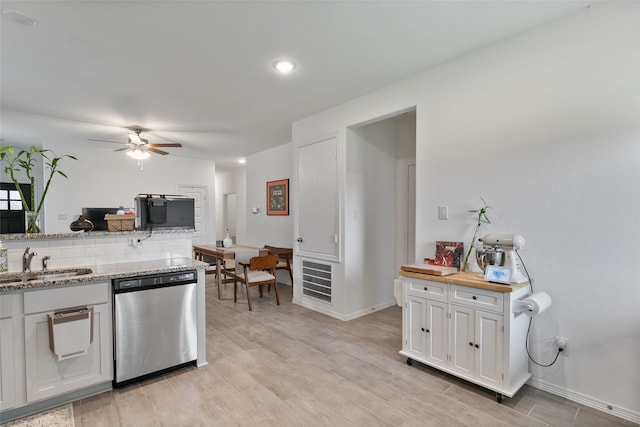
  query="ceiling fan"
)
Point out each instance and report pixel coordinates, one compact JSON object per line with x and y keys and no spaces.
{"x":137,"y":147}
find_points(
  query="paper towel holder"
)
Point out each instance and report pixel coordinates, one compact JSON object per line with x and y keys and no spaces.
{"x":533,"y":304}
{"x":520,"y":306}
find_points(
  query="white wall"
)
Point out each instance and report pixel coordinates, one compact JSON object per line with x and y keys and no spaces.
{"x":369,"y":219}
{"x":103,"y":178}
{"x":544,"y":127}
{"x":262,"y":229}
{"x":269,"y":165}
{"x":232,"y":182}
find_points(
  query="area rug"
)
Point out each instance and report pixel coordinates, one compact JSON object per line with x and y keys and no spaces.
{"x":62,"y":416}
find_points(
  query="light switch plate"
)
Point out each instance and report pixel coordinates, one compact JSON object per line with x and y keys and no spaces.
{"x":443,"y":212}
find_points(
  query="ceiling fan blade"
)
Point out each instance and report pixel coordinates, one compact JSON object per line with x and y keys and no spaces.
{"x":104,"y":140}
{"x":176,"y":144}
{"x":155,"y":150}
{"x":122,"y":149}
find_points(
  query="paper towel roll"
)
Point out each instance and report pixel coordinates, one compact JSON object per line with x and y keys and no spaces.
{"x":537,"y":303}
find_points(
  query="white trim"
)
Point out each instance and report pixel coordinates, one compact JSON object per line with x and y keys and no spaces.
{"x":314,"y":305}
{"x":585,"y":400}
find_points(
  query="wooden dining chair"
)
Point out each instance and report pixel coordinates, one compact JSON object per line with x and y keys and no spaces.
{"x":285,"y":257}
{"x":259,"y":271}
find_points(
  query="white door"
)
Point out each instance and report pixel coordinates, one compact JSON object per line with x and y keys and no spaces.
{"x":463,"y":340}
{"x":489,"y":353}
{"x":437,"y":332}
{"x":229,"y":215}
{"x":199,"y":195}
{"x":317,"y":200}
{"x":416,"y":309}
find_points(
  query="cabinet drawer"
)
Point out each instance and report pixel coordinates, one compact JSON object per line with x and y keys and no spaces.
{"x":432,"y":290}
{"x":477,"y":298}
{"x":51,"y":299}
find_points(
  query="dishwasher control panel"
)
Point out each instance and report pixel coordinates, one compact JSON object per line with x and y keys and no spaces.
{"x":153,"y":281}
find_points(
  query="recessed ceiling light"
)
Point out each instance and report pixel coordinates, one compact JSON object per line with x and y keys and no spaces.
{"x":284,"y":65}
{"x":19,"y":17}
{"x":242,"y":161}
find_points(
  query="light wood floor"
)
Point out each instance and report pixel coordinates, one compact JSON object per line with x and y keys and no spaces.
{"x":289,"y":366}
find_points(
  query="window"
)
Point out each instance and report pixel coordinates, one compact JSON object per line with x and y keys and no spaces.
{"x":11,"y":209}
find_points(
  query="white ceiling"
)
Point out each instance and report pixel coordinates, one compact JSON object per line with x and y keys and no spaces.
{"x":199,"y":72}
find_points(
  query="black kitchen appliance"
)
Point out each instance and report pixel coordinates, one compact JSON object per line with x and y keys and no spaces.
{"x":164,"y":211}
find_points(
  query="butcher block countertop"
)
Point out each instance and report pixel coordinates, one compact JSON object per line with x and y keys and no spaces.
{"x":472,"y":279}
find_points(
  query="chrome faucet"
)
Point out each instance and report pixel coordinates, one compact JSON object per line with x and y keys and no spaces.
{"x":26,"y":260}
{"x":45,"y":263}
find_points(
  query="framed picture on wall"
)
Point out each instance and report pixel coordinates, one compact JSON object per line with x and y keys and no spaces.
{"x":278,"y":197}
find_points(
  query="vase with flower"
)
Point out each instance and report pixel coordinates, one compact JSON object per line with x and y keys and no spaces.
{"x":22,"y":162}
{"x":481,"y":218}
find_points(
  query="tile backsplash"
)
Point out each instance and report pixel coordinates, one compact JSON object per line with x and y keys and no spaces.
{"x":85,"y":250}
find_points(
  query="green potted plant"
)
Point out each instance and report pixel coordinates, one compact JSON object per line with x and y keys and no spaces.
{"x":482,"y":218}
{"x":24,"y":161}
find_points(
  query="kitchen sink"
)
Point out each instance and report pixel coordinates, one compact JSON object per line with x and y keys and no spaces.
{"x":49,"y":275}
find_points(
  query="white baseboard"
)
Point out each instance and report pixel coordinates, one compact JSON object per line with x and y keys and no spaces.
{"x":586,"y":400}
{"x":325,"y":308}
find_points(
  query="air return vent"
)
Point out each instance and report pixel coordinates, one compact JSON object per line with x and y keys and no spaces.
{"x":316,"y":280}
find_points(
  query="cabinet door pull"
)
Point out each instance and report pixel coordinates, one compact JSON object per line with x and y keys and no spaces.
{"x":422,"y":329}
{"x":470,"y":344}
{"x":427,"y":331}
{"x":426,"y":289}
{"x":477,"y":346}
{"x":474,"y":297}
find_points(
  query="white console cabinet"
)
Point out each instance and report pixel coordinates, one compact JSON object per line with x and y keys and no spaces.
{"x":465,"y":326}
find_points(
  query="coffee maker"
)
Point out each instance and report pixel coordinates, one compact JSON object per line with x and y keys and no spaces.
{"x":501,"y":250}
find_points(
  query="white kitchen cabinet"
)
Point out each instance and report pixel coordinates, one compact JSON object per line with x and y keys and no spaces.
{"x":477,"y":344}
{"x":426,"y":313}
{"x":48,"y":376}
{"x":7,"y":347}
{"x":467,"y":331}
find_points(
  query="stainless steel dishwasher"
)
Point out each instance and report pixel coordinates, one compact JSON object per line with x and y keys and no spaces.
{"x":155,"y":327}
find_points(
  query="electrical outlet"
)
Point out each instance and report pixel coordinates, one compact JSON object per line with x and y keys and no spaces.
{"x":561,"y":343}
{"x":133,"y":242}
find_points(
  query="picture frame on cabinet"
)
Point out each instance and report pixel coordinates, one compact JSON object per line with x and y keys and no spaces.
{"x":278,"y":197}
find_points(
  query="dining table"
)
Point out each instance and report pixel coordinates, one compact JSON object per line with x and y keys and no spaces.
{"x":220,"y":254}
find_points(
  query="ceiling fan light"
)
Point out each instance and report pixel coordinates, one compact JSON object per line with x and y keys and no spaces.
{"x":138,"y":154}
{"x":135,"y":138}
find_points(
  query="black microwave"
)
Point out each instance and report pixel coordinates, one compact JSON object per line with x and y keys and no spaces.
{"x":164,"y":211}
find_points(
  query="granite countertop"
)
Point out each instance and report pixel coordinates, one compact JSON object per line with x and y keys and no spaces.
{"x":104,"y":272}
{"x":41,"y":236}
